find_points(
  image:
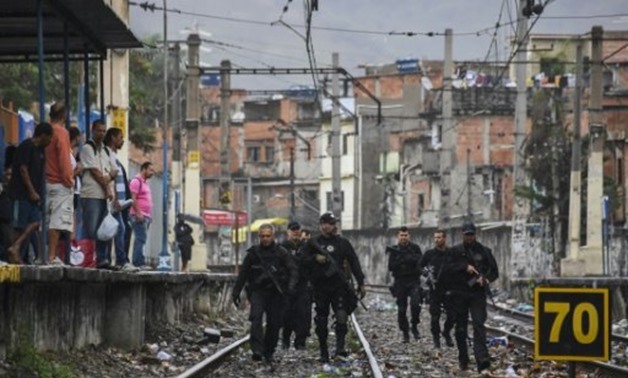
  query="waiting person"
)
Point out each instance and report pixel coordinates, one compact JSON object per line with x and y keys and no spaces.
{"x":472,"y":268}
{"x":268,"y":273}
{"x":141,"y":212}
{"x":77,"y":171}
{"x":114,"y":140}
{"x":326,"y":256}
{"x":298,"y":311}
{"x":434,"y":261}
{"x":97,"y":183}
{"x":59,"y":181}
{"x":6,"y":214}
{"x":185,"y":241}
{"x":27,"y":189}
{"x":403,"y":262}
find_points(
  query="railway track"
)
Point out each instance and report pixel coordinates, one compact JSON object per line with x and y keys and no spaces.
{"x":379,"y":347}
{"x":218,"y":360}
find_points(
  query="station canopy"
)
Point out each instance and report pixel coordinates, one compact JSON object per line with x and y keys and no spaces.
{"x":92,"y":27}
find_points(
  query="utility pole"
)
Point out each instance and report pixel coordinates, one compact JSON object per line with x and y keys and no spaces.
{"x":572,"y":265}
{"x":336,"y":188}
{"x":225,"y":118}
{"x":292,"y":188}
{"x":592,"y":253}
{"x":177,"y":171}
{"x":192,"y":186}
{"x":176,"y":116}
{"x":164,"y":256}
{"x":520,"y":212}
{"x":469,"y":187}
{"x":447,"y":153}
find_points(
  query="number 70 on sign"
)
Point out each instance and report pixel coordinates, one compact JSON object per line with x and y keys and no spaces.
{"x":572,"y":324}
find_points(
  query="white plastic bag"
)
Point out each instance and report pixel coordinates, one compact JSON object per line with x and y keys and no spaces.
{"x":77,"y":257}
{"x":108,"y":228}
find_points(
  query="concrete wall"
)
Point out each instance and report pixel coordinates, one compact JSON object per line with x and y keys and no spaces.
{"x":64,"y":308}
{"x":370,"y":247}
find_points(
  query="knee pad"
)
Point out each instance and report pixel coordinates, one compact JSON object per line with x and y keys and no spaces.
{"x":342,"y":317}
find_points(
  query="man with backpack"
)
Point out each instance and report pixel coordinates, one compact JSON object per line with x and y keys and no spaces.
{"x":97,"y":187}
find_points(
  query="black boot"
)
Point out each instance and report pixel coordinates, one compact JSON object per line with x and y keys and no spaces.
{"x":324,"y":352}
{"x":340,"y":346}
{"x":448,"y":341}
{"x":415,"y":332}
{"x":436,"y":339}
{"x":406,"y":337}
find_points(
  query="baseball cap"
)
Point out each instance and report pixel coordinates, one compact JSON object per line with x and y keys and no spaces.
{"x":468,"y":228}
{"x":294,"y":225}
{"x":328,"y":218}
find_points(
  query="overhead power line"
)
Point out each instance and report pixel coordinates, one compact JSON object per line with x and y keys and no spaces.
{"x":146,"y":6}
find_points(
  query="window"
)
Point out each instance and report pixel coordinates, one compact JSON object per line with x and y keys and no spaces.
{"x":345,"y":144}
{"x":420,"y":204}
{"x":330,"y":202}
{"x":252,"y":154}
{"x":310,"y":195}
{"x":270,"y":154}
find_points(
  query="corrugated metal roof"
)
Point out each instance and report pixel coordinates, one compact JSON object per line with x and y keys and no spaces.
{"x":91,"y":24}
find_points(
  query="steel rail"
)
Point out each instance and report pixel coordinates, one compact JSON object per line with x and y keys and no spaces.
{"x":615,"y":369}
{"x":210,"y":361}
{"x":377,"y":372}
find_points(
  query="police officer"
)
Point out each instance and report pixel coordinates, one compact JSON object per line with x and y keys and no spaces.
{"x":433,"y":262}
{"x":327,"y":254}
{"x":403,"y":263}
{"x":269,"y":274}
{"x":472,"y":269}
{"x":298,"y":311}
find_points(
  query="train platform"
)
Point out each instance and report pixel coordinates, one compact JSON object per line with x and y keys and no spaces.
{"x":63,"y":308}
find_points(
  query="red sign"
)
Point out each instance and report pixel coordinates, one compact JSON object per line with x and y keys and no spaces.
{"x":223,"y":218}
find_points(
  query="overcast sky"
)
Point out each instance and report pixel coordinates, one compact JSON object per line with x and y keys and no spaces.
{"x":260,"y":45}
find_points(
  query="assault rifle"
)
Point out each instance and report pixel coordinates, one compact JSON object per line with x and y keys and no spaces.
{"x":481,"y":275}
{"x":335,"y":269}
{"x":391,"y":249}
{"x":268,"y":269}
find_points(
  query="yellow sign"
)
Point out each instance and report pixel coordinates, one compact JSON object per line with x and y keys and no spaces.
{"x":571,"y":324}
{"x":119,"y":120}
{"x":193,"y":157}
{"x":10,"y":273}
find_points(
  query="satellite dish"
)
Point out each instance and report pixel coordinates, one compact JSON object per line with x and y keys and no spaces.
{"x":426,"y":83}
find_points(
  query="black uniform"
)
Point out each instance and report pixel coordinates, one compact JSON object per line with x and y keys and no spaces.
{"x":298,"y":310}
{"x":269,"y":272}
{"x":469,"y":297}
{"x":332,"y":289}
{"x":184,"y":239}
{"x":434,"y":261}
{"x":403,"y":262}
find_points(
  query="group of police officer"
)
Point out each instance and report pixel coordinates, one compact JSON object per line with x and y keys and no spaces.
{"x":454,"y":279}
{"x":282,"y":281}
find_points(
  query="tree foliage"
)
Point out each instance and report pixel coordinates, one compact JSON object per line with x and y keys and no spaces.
{"x":146,"y":95}
{"x":19,"y":83}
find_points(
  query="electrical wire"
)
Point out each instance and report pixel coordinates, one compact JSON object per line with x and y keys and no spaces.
{"x":146,"y":6}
